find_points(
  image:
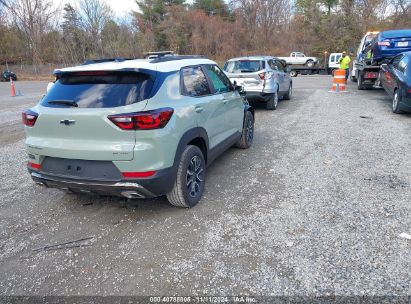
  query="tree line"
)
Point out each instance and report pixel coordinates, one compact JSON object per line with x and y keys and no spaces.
{"x":36,"y":32}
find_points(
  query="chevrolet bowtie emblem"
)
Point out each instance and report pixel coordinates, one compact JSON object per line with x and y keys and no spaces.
{"x":67,"y":122}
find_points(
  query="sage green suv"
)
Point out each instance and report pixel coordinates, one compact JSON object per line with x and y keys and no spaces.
{"x":136,"y":128}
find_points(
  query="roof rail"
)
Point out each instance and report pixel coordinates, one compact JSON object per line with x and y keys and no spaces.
{"x":91,"y":61}
{"x":152,"y":55}
{"x":175,"y":57}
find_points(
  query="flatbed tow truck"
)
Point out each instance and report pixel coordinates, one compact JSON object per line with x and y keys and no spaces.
{"x":366,"y":75}
{"x":331,"y":64}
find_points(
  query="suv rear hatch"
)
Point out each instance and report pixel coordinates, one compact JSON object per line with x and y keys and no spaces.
{"x":73,"y":119}
{"x":248,"y":73}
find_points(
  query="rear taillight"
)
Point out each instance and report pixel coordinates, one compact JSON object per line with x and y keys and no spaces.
{"x":33,"y":166}
{"x":384,"y":43}
{"x":370,"y":75}
{"x":265,"y":75}
{"x":29,"y":118}
{"x":148,"y":120}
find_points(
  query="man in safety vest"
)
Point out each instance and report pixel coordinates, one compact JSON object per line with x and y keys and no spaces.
{"x":345,"y":64}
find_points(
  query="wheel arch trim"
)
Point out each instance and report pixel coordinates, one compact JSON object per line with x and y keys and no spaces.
{"x":189,"y":136}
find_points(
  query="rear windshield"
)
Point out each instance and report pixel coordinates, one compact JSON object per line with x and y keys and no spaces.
{"x":396,"y":34}
{"x":244,"y":66}
{"x":99,"y":89}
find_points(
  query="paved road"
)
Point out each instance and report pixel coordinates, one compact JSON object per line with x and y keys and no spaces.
{"x":315,"y":207}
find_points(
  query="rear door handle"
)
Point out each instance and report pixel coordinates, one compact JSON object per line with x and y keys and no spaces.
{"x":199,"y":109}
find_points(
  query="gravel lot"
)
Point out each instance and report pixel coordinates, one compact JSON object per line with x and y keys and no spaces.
{"x":315,"y":207}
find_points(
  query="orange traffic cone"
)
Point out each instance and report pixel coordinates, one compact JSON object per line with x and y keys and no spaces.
{"x":13,"y":88}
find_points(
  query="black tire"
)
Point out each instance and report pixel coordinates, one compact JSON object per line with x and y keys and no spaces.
{"x":180,"y":195}
{"x":247,"y":134}
{"x":272,"y":103}
{"x":289,"y":93}
{"x":396,"y":100}
{"x":309,"y":63}
{"x":360,"y":83}
{"x":293,"y":73}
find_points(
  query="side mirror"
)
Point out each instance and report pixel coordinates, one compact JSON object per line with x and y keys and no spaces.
{"x":238,"y":88}
{"x":287,"y":68}
{"x":49,"y":85}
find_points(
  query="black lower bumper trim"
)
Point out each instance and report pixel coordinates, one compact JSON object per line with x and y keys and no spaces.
{"x":257,"y":96}
{"x":129,"y":189}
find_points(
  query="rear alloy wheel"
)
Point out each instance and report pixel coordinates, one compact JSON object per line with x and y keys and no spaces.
{"x":396,"y":100}
{"x":272,"y":103}
{"x":293,"y":74}
{"x":247,"y":134}
{"x":190,"y":180}
{"x":289,"y":93}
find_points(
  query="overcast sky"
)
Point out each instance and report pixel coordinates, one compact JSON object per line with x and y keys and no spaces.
{"x":120,"y":7}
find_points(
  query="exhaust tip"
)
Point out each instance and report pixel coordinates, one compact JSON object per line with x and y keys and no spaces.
{"x":40,"y":184}
{"x":131,"y":194}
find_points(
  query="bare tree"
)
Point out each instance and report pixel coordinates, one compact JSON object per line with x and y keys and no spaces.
{"x":33,"y":17}
{"x":95,"y":15}
{"x":264,"y":20}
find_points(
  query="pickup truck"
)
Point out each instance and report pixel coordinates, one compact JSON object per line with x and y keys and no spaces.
{"x":298,"y":58}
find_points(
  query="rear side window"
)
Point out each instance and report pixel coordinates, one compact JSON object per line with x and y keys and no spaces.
{"x":244,"y":66}
{"x":194,"y":82}
{"x":396,"y":61}
{"x":99,"y":89}
{"x":276,"y":65}
{"x":402,"y":66}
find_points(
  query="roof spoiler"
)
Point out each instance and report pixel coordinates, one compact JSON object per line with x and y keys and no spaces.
{"x":92,"y":61}
{"x":175,"y":57}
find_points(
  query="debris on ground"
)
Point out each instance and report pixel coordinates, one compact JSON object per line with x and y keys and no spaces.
{"x":405,"y":236}
{"x":67,"y":245}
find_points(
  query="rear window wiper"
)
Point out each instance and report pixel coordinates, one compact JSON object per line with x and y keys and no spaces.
{"x":66,"y":102}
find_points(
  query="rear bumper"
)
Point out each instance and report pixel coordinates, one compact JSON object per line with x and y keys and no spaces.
{"x":258,"y":96}
{"x":160,"y":184}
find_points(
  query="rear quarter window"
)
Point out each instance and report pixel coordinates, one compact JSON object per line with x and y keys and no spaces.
{"x":99,"y":89}
{"x":194,"y":82}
